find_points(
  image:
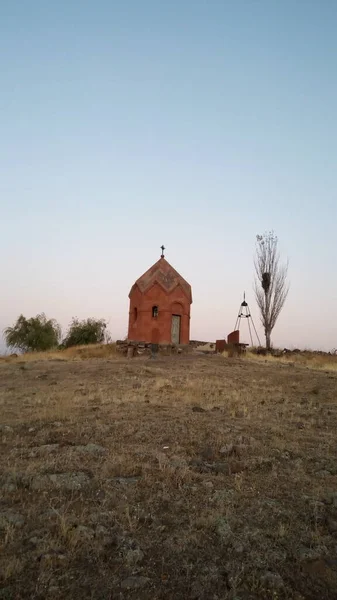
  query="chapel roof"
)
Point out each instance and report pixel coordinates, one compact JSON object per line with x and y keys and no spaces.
{"x":164,"y":274}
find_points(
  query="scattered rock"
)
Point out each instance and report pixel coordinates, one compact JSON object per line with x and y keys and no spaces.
{"x":134,"y":583}
{"x":198,"y":409}
{"x":57,"y":424}
{"x":177,"y":462}
{"x":9,"y":487}
{"x":84,"y":533}
{"x":124,"y":480}
{"x":323,"y":473}
{"x":53,"y":590}
{"x":240,"y":449}
{"x":101,"y":531}
{"x":9,"y":518}
{"x":223,"y":529}
{"x":91,"y":449}
{"x":31,"y":429}
{"x":238,"y":548}
{"x":332,"y":499}
{"x":286,"y":455}
{"x":195,"y":462}
{"x":66,"y":481}
{"x":208,"y":484}
{"x":100,"y":495}
{"x":44,"y":449}
{"x":272,"y":580}
{"x":100,"y":517}
{"x":221,"y":496}
{"x":133,"y":557}
{"x":34,"y":541}
{"x":50,"y":513}
{"x":227,"y":450}
{"x":6,"y":429}
{"x":106,"y":536}
{"x":53,"y":556}
{"x":306,"y":554}
{"x":201,"y":466}
{"x":298,"y":463}
{"x":12,"y":481}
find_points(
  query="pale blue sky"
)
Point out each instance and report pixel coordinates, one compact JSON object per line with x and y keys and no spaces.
{"x":125,"y":125}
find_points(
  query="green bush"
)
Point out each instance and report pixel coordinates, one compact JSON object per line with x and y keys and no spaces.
{"x":34,"y":334}
{"x":88,"y":331}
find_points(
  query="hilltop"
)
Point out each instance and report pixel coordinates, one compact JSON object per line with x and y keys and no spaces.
{"x":194,"y":476}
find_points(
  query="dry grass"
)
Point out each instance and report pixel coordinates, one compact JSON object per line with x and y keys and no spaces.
{"x":196,"y":477}
{"x":310,"y":360}
{"x":74,"y":353}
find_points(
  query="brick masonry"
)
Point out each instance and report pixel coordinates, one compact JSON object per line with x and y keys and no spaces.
{"x":162,"y":287}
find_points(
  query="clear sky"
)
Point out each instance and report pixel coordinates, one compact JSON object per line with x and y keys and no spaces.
{"x":125,"y":125}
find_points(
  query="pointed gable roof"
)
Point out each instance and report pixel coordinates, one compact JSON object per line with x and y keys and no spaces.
{"x":164,"y":274}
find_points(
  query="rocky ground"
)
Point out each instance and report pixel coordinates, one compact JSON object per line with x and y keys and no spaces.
{"x":196,"y":477}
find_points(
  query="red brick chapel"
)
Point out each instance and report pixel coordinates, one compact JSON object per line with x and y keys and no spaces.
{"x":160,"y":306}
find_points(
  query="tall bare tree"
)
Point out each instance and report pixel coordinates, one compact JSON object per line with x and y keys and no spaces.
{"x":270,"y":286}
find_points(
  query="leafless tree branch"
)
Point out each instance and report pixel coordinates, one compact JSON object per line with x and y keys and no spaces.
{"x":270,"y":286}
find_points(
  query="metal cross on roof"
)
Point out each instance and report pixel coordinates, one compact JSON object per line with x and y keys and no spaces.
{"x":162,"y":251}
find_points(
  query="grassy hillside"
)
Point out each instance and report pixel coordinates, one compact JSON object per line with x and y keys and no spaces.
{"x":183,"y":477}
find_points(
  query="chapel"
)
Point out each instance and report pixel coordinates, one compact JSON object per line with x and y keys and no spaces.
{"x":160,"y":306}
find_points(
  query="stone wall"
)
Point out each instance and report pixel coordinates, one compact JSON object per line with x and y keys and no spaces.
{"x":135,"y":348}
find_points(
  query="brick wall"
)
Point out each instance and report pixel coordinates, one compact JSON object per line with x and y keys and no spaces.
{"x":144,"y":327}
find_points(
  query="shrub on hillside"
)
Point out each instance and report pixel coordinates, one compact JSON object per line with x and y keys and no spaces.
{"x":88,"y":331}
{"x":34,"y":334}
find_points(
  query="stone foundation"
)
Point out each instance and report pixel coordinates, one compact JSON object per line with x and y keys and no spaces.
{"x":131,"y":348}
